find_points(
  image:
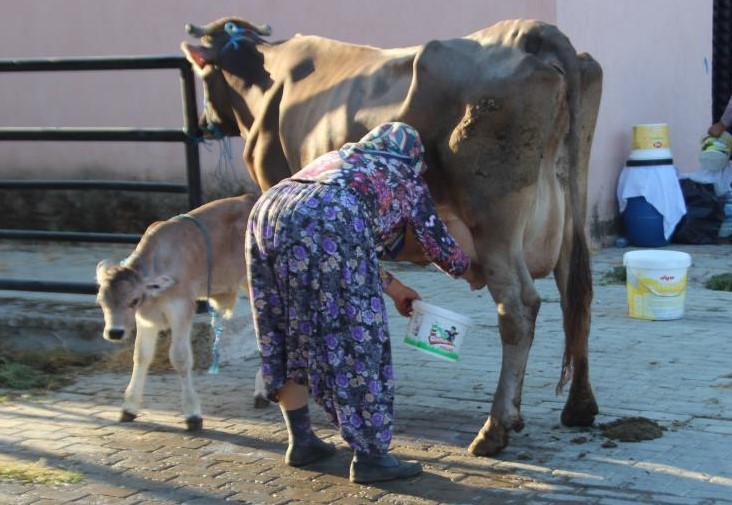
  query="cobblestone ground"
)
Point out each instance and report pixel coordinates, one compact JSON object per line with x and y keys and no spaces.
{"x":676,"y":373}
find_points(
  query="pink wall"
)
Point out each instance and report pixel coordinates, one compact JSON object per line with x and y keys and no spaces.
{"x":653,"y":54}
{"x":656,"y":57}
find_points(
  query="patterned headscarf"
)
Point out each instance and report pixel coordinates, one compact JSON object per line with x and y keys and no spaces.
{"x":395,"y":140}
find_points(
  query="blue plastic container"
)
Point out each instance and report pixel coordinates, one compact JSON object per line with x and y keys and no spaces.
{"x":643,"y":224}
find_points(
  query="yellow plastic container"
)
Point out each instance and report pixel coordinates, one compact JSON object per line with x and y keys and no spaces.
{"x":650,"y":142}
{"x":656,"y":283}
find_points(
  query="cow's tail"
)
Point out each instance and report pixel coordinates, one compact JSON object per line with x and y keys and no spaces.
{"x":578,"y":299}
{"x":584,"y":78}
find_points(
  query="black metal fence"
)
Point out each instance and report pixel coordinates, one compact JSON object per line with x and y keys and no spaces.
{"x":187,"y":135}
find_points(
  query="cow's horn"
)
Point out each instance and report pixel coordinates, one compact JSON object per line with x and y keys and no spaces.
{"x":263,"y":29}
{"x":197,"y":31}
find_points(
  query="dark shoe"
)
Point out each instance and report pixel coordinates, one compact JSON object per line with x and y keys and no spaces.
{"x":385,"y":468}
{"x":304,"y":454}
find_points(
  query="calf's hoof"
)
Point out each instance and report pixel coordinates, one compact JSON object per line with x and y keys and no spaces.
{"x":194,"y":423}
{"x":127,"y":417}
{"x":489,"y":441}
{"x":260,"y":402}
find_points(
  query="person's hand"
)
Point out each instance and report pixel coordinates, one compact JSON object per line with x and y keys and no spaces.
{"x":402,"y":295}
{"x":716,"y":129}
{"x":474,"y":276}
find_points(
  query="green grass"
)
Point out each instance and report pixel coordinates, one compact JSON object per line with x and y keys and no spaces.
{"x":615,"y":276}
{"x":721,"y":282}
{"x":21,"y":376}
{"x":37,"y":473}
{"x":39,"y":370}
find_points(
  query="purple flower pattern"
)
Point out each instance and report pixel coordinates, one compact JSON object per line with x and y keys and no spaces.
{"x":313,"y":247}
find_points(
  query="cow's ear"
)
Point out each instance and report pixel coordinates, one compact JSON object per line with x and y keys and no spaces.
{"x":199,"y":56}
{"x":158,"y":285}
{"x":104,"y":268}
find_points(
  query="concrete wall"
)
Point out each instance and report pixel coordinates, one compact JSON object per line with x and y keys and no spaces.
{"x":656,"y":55}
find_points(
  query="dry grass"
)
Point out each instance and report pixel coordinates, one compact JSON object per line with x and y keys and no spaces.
{"x":37,"y":473}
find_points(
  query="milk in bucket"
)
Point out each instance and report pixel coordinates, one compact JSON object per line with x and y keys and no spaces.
{"x":656,"y":283}
{"x":436,"y":331}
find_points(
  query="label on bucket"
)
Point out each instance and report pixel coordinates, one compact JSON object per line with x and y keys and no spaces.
{"x":434,"y":334}
{"x":657,"y":294}
{"x":650,"y":136}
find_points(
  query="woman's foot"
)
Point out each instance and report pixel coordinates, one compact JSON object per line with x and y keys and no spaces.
{"x":366,"y":470}
{"x":301,"y":454}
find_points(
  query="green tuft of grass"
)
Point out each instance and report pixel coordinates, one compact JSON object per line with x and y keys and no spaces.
{"x":615,"y":276}
{"x":721,"y":282}
{"x":21,"y":376}
{"x":37,"y":473}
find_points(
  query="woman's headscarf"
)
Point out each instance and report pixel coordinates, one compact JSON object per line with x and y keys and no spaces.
{"x":397,"y":140}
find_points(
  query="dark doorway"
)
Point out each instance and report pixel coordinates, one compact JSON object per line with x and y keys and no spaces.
{"x":721,"y":57}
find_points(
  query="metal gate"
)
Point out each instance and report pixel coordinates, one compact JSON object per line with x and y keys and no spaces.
{"x":188,"y":135}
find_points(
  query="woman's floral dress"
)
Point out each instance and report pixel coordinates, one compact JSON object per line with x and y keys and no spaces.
{"x":313,"y":247}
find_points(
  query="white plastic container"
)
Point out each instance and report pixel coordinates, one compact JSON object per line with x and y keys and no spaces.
{"x":656,"y":283}
{"x":436,"y":331}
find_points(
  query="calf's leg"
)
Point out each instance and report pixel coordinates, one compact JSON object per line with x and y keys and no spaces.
{"x":181,"y":357}
{"x":145,"y":342}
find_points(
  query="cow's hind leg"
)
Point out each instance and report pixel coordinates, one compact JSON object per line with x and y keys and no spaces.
{"x":518,"y":304}
{"x":145,"y":342}
{"x":181,"y":357}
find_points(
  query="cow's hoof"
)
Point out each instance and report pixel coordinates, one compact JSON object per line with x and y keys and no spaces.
{"x":489,"y":441}
{"x":127,"y":417}
{"x":579,"y":413}
{"x":194,"y":423}
{"x":260,"y":402}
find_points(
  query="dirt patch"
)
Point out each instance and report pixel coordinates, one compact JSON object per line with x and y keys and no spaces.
{"x":632,"y":429}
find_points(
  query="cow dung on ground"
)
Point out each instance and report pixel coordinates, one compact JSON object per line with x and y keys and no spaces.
{"x":632,"y":429}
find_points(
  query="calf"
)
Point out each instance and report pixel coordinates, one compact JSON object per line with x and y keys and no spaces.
{"x":195,"y":256}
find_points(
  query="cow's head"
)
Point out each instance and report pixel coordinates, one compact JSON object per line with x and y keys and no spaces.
{"x":122,"y":290}
{"x":230,"y":44}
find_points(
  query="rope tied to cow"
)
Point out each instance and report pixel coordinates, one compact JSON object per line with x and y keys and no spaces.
{"x":225,"y":171}
{"x":236,"y":33}
{"x":216,"y":319}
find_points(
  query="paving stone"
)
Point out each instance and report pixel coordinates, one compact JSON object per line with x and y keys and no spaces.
{"x":676,"y":373}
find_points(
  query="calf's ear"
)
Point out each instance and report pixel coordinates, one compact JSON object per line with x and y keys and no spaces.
{"x":103,"y":269}
{"x":158,"y":285}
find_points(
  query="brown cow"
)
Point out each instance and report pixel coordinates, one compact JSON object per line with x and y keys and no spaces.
{"x":507,"y":115}
{"x":196,"y":256}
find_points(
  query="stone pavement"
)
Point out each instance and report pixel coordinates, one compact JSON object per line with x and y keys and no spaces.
{"x":677,"y":373}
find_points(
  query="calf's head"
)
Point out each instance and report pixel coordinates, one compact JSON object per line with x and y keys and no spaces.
{"x":122,"y":291}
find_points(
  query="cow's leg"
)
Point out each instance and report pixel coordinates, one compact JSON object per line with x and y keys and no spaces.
{"x":574,"y":281}
{"x":145,"y":342}
{"x":181,"y":357}
{"x":517,"y":302}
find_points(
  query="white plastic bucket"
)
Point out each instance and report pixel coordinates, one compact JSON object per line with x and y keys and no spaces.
{"x":715,"y":151}
{"x":656,"y":283}
{"x":436,"y":331}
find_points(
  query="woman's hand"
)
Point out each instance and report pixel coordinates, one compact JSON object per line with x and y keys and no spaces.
{"x":716,"y":129}
{"x":474,"y":276}
{"x":402,"y":295}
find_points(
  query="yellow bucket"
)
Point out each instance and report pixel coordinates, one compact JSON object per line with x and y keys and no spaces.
{"x":656,"y":283}
{"x":650,"y":142}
